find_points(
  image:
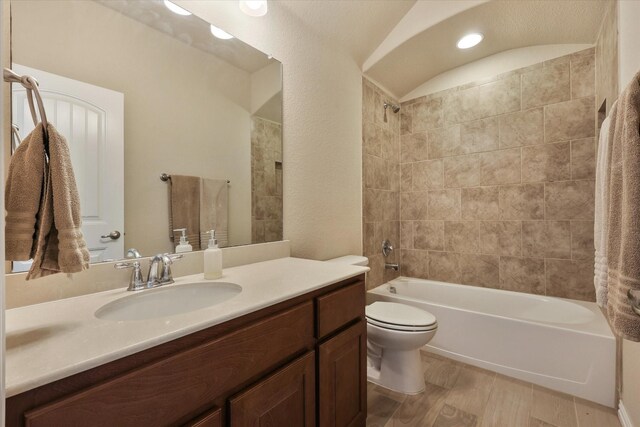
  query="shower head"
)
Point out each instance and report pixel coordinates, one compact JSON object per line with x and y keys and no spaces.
{"x":394,"y":107}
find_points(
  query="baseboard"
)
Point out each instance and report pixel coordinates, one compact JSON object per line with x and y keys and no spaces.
{"x":623,"y":416}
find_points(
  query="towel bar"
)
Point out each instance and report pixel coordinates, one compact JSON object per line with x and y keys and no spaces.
{"x":634,"y":300}
{"x":166,"y":177}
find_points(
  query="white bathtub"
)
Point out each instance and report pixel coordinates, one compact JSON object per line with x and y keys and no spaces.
{"x":562,"y":344}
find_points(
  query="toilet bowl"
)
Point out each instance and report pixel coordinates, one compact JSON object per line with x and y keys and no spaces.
{"x":395,"y":334}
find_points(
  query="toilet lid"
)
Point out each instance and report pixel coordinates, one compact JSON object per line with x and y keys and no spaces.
{"x":399,"y":316}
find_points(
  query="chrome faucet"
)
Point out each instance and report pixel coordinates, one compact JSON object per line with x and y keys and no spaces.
{"x":392,"y":266}
{"x":159,"y":272}
{"x":387,"y":249}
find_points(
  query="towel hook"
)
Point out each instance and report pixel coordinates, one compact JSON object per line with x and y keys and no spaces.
{"x":31,"y":85}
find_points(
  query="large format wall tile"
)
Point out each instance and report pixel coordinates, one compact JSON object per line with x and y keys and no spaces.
{"x":461,"y":236}
{"x":383,"y":176}
{"x":414,"y":263}
{"x":501,"y":237}
{"x":462,"y":171}
{"x":406,"y":113}
{"x":522,"y":275}
{"x":546,"y":162}
{"x":480,"y":135}
{"x":406,"y":234}
{"x":570,"y":200}
{"x":427,"y":175}
{"x":570,"y":279}
{"x":582,"y":240}
{"x":428,"y":235}
{"x":413,"y":206}
{"x":583,"y":76}
{"x":546,"y":239}
{"x":500,"y":167}
{"x":569,"y":120}
{"x":522,"y":128}
{"x":522,"y":201}
{"x":444,"y":204}
{"x":496,"y":180}
{"x":491,"y":99}
{"x":546,"y":85}
{"x":414,"y":147}
{"x":583,"y":159}
{"x":480,"y":203}
{"x":426,"y":115}
{"x":444,"y":266}
{"x":445,"y":142}
{"x":480,"y":270}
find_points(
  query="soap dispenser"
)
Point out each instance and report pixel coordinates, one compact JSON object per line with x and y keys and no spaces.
{"x":212,"y":259}
{"x":184,"y":245}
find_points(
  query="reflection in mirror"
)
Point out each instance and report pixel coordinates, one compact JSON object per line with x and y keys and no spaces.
{"x":140,"y":91}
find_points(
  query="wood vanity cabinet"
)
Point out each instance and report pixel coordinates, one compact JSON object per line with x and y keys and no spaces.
{"x":299,"y":363}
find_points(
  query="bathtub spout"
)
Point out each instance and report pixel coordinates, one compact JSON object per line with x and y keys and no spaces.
{"x":394,"y":267}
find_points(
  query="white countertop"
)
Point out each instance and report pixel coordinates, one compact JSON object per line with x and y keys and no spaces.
{"x":53,"y":340}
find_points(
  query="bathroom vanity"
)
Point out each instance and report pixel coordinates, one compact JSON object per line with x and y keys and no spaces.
{"x":297,"y":360}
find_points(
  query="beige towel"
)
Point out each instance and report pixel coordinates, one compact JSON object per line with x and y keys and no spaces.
{"x":184,"y":196}
{"x":600,"y":276}
{"x":214,"y":202}
{"x":23,"y":195}
{"x":623,"y":239}
{"x":60,"y":244}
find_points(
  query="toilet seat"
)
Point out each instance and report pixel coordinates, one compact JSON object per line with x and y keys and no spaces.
{"x":400,"y":317}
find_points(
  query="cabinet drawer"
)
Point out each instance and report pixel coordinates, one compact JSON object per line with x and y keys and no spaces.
{"x":339,"y":308}
{"x":174,"y":390}
{"x":286,"y":398}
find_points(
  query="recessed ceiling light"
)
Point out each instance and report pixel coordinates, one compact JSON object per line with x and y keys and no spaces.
{"x":470,"y":40}
{"x":254,"y":7}
{"x":176,"y":9}
{"x":221,"y":34}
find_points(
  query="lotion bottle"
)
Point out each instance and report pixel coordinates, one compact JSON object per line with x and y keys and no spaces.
{"x":184,"y":245}
{"x":212,"y":259}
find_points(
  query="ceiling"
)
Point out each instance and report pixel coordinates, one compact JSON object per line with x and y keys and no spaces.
{"x":191,"y":30}
{"x":358,"y":26}
{"x":505,"y":24}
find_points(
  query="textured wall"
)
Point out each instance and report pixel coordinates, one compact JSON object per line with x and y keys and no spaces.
{"x":497,"y":181}
{"x":322,"y":154}
{"x":266,"y":181}
{"x":381,"y":185}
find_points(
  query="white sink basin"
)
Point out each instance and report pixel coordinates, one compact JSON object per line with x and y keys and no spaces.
{"x":168,"y":301}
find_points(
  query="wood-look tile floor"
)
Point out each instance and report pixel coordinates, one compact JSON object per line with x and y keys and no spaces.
{"x":460,"y":395}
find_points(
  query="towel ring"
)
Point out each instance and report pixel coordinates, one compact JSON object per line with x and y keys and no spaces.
{"x":31,"y":85}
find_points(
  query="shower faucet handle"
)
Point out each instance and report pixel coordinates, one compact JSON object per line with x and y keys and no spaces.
{"x":387,"y":248}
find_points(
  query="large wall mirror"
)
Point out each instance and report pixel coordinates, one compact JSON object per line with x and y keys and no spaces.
{"x":171,"y":123}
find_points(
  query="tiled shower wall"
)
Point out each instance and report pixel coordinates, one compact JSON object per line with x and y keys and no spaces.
{"x":497,"y":181}
{"x":381,"y":186}
{"x":266,"y":181}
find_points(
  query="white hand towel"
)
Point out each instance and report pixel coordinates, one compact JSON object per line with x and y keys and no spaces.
{"x":601,"y":216}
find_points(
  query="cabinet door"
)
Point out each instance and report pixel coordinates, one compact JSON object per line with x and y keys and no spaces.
{"x":342,"y":377}
{"x":212,"y":418}
{"x":286,"y":398}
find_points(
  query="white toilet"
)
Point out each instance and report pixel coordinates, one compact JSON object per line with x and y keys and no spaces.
{"x":395,"y":334}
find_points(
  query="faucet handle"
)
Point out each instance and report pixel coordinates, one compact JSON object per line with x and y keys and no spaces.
{"x":136,"y":282}
{"x":167,"y":277}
